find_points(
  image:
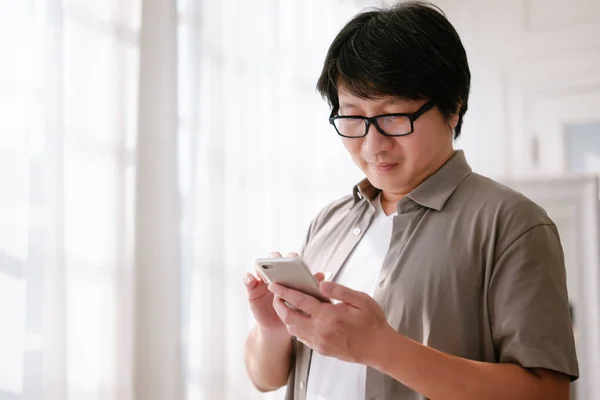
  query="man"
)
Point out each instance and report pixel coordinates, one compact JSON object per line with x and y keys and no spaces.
{"x":449,"y":285}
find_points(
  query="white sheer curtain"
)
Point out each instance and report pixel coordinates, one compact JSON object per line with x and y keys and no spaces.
{"x":68,"y":95}
{"x":90,"y":310}
{"x":265,"y":161}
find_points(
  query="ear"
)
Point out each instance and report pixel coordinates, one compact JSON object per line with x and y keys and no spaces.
{"x":453,"y":120}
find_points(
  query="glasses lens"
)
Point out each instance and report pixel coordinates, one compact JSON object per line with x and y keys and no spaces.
{"x":351,"y":127}
{"x":394,"y":125}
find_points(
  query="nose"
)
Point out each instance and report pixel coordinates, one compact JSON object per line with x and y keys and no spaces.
{"x":375,"y":142}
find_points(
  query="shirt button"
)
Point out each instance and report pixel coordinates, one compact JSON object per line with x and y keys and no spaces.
{"x":301,"y":385}
{"x":356,"y":231}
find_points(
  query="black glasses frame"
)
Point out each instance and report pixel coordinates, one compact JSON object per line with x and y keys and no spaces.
{"x":373,"y":120}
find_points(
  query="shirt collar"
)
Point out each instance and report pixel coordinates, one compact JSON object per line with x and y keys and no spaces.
{"x":434,"y":191}
{"x":364,"y":189}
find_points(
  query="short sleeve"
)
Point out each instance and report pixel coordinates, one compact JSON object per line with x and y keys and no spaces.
{"x":528,"y":304}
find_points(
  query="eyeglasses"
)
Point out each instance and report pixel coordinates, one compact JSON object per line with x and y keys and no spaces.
{"x":356,"y":126}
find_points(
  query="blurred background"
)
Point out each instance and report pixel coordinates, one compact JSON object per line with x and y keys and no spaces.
{"x":150,"y":150}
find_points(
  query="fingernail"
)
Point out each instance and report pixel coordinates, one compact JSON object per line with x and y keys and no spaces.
{"x":248,"y":279}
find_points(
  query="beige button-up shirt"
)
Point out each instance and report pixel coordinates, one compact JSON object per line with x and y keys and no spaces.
{"x":474,"y":269}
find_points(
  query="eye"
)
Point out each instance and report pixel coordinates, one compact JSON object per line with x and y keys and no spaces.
{"x":350,"y":127}
{"x":395,"y":125}
{"x":389,"y":121}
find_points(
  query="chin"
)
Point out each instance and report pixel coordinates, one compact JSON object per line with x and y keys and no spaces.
{"x":389,"y":182}
{"x":378,"y":182}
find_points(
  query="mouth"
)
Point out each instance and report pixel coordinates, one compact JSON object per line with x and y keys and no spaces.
{"x":383,"y":167}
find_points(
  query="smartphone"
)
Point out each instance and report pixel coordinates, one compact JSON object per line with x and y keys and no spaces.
{"x":290,"y":272}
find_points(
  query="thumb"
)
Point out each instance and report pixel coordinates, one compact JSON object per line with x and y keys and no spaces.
{"x":342,"y":293}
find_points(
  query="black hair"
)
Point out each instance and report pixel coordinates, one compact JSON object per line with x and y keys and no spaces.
{"x":408,"y":51}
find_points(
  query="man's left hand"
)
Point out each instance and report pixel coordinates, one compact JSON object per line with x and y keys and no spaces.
{"x":351,"y":330}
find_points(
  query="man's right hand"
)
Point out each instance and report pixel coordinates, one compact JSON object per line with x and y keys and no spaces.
{"x":261,"y":300}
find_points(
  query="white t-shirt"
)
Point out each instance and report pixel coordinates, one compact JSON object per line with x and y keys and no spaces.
{"x":330,"y":378}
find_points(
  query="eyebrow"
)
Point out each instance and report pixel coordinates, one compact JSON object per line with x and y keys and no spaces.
{"x":347,"y":105}
{"x":384,"y":102}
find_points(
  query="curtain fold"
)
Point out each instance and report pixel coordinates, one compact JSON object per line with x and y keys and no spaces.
{"x":157,"y":336}
{"x":53,"y":266}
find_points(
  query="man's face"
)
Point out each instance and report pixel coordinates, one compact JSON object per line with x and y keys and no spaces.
{"x":398,"y":164}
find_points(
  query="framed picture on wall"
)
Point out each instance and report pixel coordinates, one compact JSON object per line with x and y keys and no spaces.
{"x":582,"y":146}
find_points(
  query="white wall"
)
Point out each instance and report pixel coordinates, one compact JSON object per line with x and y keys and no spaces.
{"x":535,"y":67}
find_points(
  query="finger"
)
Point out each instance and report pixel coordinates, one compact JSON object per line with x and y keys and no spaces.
{"x":344,"y":294}
{"x":320,"y":277}
{"x":254,"y":287}
{"x":274,"y":254}
{"x":250,"y":281}
{"x":287,"y":315}
{"x":291,"y":254}
{"x":301,"y":301}
{"x":257,"y":293}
